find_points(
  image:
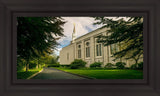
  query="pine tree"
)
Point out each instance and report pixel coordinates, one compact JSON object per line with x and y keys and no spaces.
{"x":37,"y":35}
{"x":128,"y":33}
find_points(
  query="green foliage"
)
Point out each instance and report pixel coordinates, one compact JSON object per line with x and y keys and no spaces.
{"x":137,"y":66}
{"x":140,"y":65}
{"x":109,"y":65}
{"x":32,"y":66}
{"x":49,"y":59}
{"x":65,"y":66}
{"x":120,"y":65}
{"x":77,"y":63}
{"x":54,"y":65}
{"x":96,"y":65}
{"x":127,"y":33}
{"x":35,"y":36}
{"x":42,"y":65}
{"x":134,"y":66}
{"x":20,"y":64}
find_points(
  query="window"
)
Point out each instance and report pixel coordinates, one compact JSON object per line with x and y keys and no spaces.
{"x":79,"y":46}
{"x":79,"y":51}
{"x":87,"y":50}
{"x":99,"y":49}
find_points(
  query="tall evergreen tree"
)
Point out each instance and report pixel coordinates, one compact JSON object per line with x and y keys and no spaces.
{"x":128,"y":33}
{"x":37,"y":35}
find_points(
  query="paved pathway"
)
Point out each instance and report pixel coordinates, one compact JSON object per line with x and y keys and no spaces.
{"x":51,"y":73}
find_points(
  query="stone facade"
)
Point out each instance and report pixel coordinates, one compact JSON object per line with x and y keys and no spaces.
{"x":87,"y":49}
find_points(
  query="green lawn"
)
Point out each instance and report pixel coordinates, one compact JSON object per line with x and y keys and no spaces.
{"x":25,"y":75}
{"x":106,"y":73}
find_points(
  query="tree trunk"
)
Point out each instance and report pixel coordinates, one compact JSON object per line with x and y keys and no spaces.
{"x":136,"y":61}
{"x":27,"y":66}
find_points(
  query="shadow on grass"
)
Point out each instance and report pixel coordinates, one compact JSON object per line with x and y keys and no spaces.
{"x":25,"y":75}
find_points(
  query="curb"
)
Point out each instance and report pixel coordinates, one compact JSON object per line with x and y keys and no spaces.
{"x":75,"y":74}
{"x":34,"y":74}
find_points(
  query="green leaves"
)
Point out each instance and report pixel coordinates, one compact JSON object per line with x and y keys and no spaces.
{"x":127,"y":32}
{"x":36,"y":36}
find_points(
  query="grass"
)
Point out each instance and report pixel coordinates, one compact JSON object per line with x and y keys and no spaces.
{"x":106,"y":73}
{"x":25,"y":75}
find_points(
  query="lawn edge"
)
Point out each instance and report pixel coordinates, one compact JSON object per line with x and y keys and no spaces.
{"x":34,"y":74}
{"x":75,"y":74}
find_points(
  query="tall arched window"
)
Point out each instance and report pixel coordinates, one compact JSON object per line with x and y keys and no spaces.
{"x":87,"y":49}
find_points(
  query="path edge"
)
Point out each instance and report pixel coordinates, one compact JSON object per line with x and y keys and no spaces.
{"x":34,"y":74}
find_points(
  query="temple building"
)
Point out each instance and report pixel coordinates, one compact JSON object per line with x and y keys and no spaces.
{"x":86,"y":48}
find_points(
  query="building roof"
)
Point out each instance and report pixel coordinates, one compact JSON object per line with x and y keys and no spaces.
{"x":90,"y":32}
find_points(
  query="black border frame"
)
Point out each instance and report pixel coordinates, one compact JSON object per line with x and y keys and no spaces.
{"x":10,"y":86}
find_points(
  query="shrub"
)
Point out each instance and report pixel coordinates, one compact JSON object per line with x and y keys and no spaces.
{"x":20,"y":64}
{"x":140,"y":65}
{"x":65,"y":66}
{"x":32,"y":65}
{"x":54,"y":65}
{"x":137,"y":66}
{"x":109,"y":65}
{"x":74,"y":66}
{"x":134,"y":66}
{"x":120,"y":65}
{"x":77,"y":63}
{"x":96,"y":65}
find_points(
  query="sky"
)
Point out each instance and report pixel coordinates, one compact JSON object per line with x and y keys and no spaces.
{"x":83,"y":25}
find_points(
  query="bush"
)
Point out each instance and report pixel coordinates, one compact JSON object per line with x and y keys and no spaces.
{"x":65,"y":66}
{"x":140,"y":65}
{"x":32,"y":65}
{"x":54,"y":65}
{"x":20,"y":64}
{"x":109,"y":65}
{"x":96,"y":65}
{"x":137,"y":66}
{"x":77,"y":63}
{"x":134,"y":66}
{"x":120,"y":65}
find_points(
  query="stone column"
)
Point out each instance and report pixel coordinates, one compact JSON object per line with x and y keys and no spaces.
{"x":82,"y":50}
{"x":92,"y":50}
